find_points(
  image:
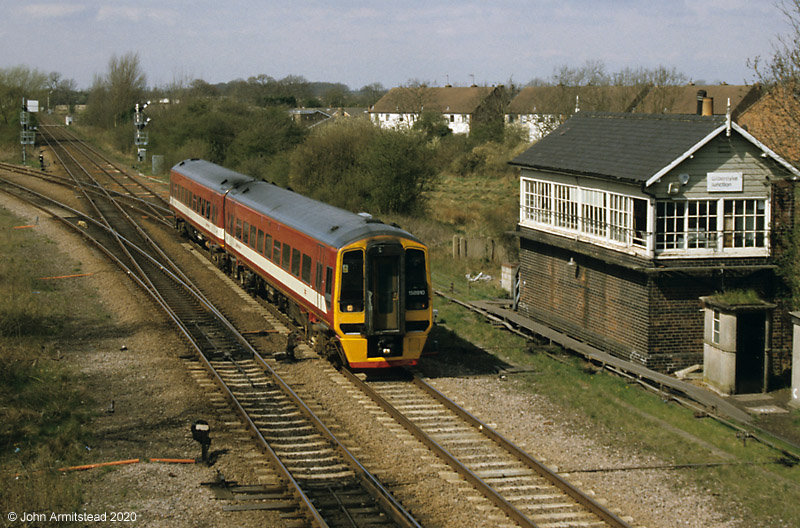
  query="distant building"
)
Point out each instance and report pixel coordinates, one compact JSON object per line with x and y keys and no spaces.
{"x":689,"y":99}
{"x":541,"y":109}
{"x":460,"y":106}
{"x":655,"y":238}
{"x":308,"y":116}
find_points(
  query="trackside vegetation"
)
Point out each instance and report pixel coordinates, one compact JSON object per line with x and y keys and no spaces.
{"x":42,"y":408}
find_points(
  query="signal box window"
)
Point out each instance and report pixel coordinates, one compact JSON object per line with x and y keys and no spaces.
{"x":416,"y":280}
{"x":351,"y":298}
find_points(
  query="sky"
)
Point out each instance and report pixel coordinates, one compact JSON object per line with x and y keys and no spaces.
{"x":392,"y":43}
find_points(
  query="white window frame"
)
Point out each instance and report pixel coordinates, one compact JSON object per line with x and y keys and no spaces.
{"x":603,"y":216}
{"x":721,"y":231}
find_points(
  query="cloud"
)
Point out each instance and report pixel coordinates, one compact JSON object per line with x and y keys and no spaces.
{"x":133,"y":14}
{"x":51,"y":10}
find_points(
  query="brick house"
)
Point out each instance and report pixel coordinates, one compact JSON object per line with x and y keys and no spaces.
{"x":633,"y":226}
{"x":460,"y":106}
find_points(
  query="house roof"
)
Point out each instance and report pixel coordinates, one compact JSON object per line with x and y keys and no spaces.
{"x":683,"y":99}
{"x":453,"y":99}
{"x":634,"y":147}
{"x":774,"y":119}
{"x":562,"y":99}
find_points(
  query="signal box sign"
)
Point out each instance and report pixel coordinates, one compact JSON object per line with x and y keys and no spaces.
{"x":724,"y":181}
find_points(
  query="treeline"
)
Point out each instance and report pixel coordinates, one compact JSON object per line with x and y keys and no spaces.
{"x":244,"y":125}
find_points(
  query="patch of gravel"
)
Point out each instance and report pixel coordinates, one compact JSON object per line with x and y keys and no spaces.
{"x":654,"y":498}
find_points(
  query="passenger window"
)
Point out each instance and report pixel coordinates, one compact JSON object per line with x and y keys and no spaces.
{"x":306,"y":273}
{"x":260,"y":245}
{"x":245,"y":232}
{"x":295,"y":263}
{"x":351,"y":298}
{"x":287,"y":257}
{"x":268,"y":247}
{"x":238,"y":229}
{"x":276,"y":253}
{"x":252,"y":236}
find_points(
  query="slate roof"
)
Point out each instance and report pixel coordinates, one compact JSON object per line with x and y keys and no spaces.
{"x":624,"y":146}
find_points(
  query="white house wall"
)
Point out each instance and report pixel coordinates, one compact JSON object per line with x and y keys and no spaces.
{"x":457,"y":123}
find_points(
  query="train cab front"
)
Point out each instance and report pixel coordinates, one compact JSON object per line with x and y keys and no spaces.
{"x":383,"y":308}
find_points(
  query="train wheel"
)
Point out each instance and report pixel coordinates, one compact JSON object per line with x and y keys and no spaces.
{"x":334,"y":353}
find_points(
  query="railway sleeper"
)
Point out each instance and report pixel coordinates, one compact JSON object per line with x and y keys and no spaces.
{"x":343,"y":472}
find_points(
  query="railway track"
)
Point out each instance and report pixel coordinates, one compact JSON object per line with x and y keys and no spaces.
{"x":524,"y":488}
{"x":331,"y":486}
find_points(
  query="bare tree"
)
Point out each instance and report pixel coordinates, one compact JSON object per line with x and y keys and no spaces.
{"x":15,"y":83}
{"x":114,"y":95}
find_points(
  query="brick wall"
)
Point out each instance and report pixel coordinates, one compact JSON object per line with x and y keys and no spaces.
{"x":651,"y":319}
{"x":603,"y":304}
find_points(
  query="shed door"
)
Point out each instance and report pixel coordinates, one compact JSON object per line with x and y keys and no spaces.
{"x":750,"y":332}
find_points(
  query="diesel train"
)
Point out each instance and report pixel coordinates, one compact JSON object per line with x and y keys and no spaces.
{"x":359,"y":287}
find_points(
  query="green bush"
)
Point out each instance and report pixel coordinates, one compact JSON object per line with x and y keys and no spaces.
{"x":357,"y":166}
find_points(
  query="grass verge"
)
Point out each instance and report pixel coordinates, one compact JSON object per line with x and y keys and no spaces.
{"x":749,"y":482}
{"x":42,"y":410}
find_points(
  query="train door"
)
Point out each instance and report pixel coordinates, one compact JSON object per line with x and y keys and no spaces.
{"x":384,"y":306}
{"x":319,"y":282}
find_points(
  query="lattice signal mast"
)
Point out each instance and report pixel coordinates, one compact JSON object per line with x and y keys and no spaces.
{"x":28,"y":135}
{"x":140,"y":139}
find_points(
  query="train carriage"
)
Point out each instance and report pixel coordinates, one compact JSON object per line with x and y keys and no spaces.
{"x":360,"y":286}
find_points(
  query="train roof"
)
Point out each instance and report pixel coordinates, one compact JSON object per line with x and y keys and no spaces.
{"x":325,"y":223}
{"x":211,"y":175}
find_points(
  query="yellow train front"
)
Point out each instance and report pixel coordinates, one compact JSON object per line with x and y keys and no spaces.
{"x":382,"y":313}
